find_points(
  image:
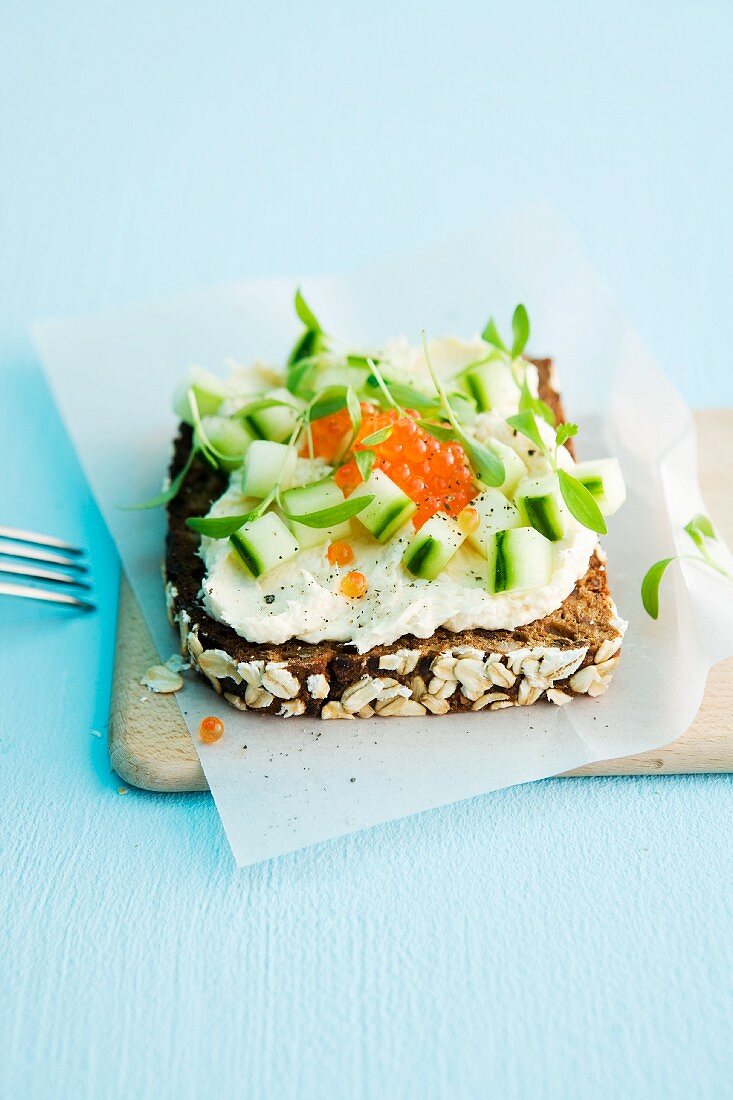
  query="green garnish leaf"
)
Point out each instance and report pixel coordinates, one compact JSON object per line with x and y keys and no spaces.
{"x":300,"y":372}
{"x":440,"y":431}
{"x":700,"y":528}
{"x":261,"y":403}
{"x":305,"y":313}
{"x":520,"y":331}
{"x":354,"y":409}
{"x":308,"y":344}
{"x":404,"y":395}
{"x":330,"y":517}
{"x":463,"y":406}
{"x":487,"y":465}
{"x":220,"y":527}
{"x":365,"y":463}
{"x":525,"y":423}
{"x":328,"y":401}
{"x":529,"y":403}
{"x":564,"y":432}
{"x":581,"y":503}
{"x":167,"y":494}
{"x":377,"y":437}
{"x":491,"y":336}
{"x":650,"y":586}
{"x":544,"y":410}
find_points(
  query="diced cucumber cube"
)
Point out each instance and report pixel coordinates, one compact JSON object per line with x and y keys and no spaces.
{"x":519,"y":558}
{"x":315,"y":497}
{"x":541,"y":506}
{"x":264,"y":464}
{"x":491,"y":385}
{"x":603,"y":478}
{"x":317,"y":536}
{"x":276,"y":422}
{"x":389,"y":509}
{"x":496,"y":514}
{"x":208,"y":390}
{"x":264,"y":544}
{"x":514,"y":467}
{"x":230,"y":436}
{"x":432,"y":547}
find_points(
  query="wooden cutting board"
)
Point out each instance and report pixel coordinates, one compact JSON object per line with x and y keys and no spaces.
{"x":150,"y":747}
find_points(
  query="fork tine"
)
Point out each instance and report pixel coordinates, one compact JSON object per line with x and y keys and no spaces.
{"x":33,"y":553}
{"x":39,"y":540}
{"x":43,"y":574}
{"x":26,"y":592}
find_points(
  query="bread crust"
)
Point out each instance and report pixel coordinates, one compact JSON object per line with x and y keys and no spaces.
{"x":569,"y":652}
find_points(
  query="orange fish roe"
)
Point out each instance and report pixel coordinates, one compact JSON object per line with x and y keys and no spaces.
{"x":340,"y":553}
{"x":354,"y":584}
{"x":469,"y":520}
{"x":435,"y":474}
{"x":331,"y":433}
{"x":211,"y":729}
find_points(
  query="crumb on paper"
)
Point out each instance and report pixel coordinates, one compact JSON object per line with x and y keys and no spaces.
{"x":162,"y":680}
{"x":95,"y":733}
{"x":123,"y":790}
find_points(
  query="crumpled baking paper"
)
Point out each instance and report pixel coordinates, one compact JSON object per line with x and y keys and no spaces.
{"x":283,"y":784}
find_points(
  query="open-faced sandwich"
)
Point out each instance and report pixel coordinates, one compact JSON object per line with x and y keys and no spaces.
{"x":403,"y":531}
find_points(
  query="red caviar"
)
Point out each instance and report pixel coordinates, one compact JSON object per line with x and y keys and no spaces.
{"x":354,"y":584}
{"x":433,"y":473}
{"x":469,"y":520}
{"x":211,"y":729}
{"x":340,"y":553}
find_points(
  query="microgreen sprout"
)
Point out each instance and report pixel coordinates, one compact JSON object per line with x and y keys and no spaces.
{"x":579,"y":501}
{"x":487,"y":466}
{"x":702,"y":533}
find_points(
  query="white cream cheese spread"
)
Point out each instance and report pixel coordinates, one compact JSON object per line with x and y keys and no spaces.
{"x":302,"y":598}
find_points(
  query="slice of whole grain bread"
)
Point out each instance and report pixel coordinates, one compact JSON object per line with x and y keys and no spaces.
{"x":572,"y":651}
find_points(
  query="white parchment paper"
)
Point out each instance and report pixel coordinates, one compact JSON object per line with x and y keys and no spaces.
{"x":284,"y":784}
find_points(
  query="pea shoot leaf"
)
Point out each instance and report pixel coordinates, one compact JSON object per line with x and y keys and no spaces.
{"x":305,"y":313}
{"x":330,"y":517}
{"x":220,"y":527}
{"x":520,"y":331}
{"x":365,"y":463}
{"x":565,"y":432}
{"x":581,"y":503}
{"x":650,"y":586}
{"x":491,"y":336}
{"x":525,"y":423}
{"x":487,"y":465}
{"x":380,"y":436}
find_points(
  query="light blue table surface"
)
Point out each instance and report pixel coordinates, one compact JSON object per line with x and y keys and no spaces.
{"x":565,"y":939}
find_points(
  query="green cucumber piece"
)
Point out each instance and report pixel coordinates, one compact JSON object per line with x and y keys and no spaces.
{"x":603,"y":478}
{"x":317,"y":536}
{"x":208,"y":390}
{"x":276,"y":423}
{"x":541,"y":506}
{"x":491,"y":385}
{"x":432,"y":547}
{"x":230,"y":437}
{"x":514,"y":467}
{"x":496,"y":513}
{"x":389,"y":509}
{"x":315,"y":497}
{"x":266,"y":463}
{"x":519,"y":558}
{"x":264,"y":544}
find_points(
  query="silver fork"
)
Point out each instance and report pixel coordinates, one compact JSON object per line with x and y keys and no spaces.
{"x":19,"y":550}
